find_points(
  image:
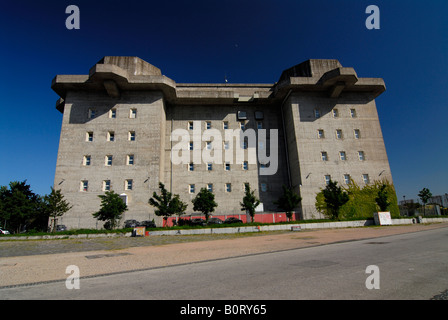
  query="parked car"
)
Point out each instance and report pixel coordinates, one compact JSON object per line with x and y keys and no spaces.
{"x":214,"y":221}
{"x":131,"y":223}
{"x":3,"y":231}
{"x":148,"y":224}
{"x":61,"y":227}
{"x":197,"y":222}
{"x":232,"y":220}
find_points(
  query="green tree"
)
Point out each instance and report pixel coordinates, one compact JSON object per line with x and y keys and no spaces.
{"x":288,"y":201}
{"x":250,"y":201}
{"x":204,"y":202}
{"x":55,"y":205}
{"x":166,"y":204}
{"x":424,"y":195}
{"x":111,"y":210}
{"x":382,"y":198}
{"x":334,"y":198}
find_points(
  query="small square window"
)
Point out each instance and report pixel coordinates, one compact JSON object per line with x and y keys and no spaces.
{"x":245,"y":166}
{"x":209,"y":145}
{"x":259,"y":124}
{"x":226,"y":145}
{"x":111,"y":136}
{"x":190,"y":146}
{"x":89,"y":136}
{"x":242,"y":125}
{"x":227,"y":166}
{"x":365,"y":178}
{"x":347,"y":179}
{"x":357,"y":133}
{"x":106,"y":185}
{"x":225,"y":125}
{"x":342,"y":156}
{"x":361,"y":155}
{"x":84,"y":185}
{"x":191,"y":188}
{"x":86,"y":160}
{"x":324,"y":156}
{"x":335,"y":113}
{"x":316,"y":113}
{"x":228,"y":187}
{"x":108,"y":161}
{"x":327,"y":179}
{"x":209,"y":166}
{"x":190,"y":125}
{"x":131,"y":135}
{"x":128,"y":184}
{"x":320,"y":134}
{"x":353,"y":113}
{"x":210,"y":187}
{"x":92,"y":113}
{"x":208,"y":125}
{"x":130,"y":159}
{"x":190,"y":167}
{"x":338,"y":134}
{"x":133,"y":113}
{"x":113,"y":113}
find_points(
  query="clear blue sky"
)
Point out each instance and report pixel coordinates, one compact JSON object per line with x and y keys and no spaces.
{"x":250,"y":42}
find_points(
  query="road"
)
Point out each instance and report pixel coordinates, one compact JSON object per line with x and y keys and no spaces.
{"x":410,"y":266}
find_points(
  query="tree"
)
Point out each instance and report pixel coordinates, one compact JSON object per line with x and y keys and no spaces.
{"x":334,"y":198}
{"x":166,"y":204}
{"x":424,"y":195}
{"x":381,"y":199}
{"x":204,"y":202}
{"x":250,"y":202}
{"x":55,"y":205}
{"x":112,"y":207}
{"x":288,"y":201}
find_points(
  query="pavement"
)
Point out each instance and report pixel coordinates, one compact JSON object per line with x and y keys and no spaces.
{"x":120,"y":255}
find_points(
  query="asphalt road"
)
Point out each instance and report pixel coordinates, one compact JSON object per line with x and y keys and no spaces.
{"x":409,"y":266}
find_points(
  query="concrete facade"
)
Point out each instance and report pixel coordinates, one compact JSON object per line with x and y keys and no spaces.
{"x":320,"y":122}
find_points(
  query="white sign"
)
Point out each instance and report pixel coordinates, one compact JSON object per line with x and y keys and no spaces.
{"x":382,"y":218}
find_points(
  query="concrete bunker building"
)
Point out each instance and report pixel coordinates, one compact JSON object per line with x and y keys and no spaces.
{"x":320,"y":122}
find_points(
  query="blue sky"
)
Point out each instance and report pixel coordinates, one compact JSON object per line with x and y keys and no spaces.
{"x":247,"y":41}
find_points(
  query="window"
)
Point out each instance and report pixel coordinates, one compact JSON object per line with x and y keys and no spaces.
{"x":327,"y":179}
{"x":228,"y":187}
{"x":131,"y":135}
{"x":191,"y":188}
{"x":191,"y":146}
{"x":242,"y":125}
{"x":342,"y":156}
{"x":225,"y":125}
{"x":338,"y":134}
{"x":108,"y":161}
{"x":335,"y":113}
{"x":320,"y":134}
{"x":245,"y":166}
{"x":210,"y":187}
{"x":244,"y":145}
{"x":113,"y":113}
{"x":347,"y":179}
{"x":133,"y":113}
{"x":227,"y":166}
{"x":190,"y":125}
{"x":191,"y":167}
{"x":84,"y":185}
{"x":264,"y":187}
{"x":130,"y":159}
{"x":316,"y":113}
{"x":209,"y":145}
{"x":89,"y":136}
{"x":361,"y":155}
{"x":208,"y":125}
{"x":259,"y":124}
{"x":111,"y":136}
{"x":92,"y":113}
{"x":365,"y":178}
{"x":209,"y":166}
{"x":357,"y":133}
{"x":353,"y":113}
{"x":226,"y":145}
{"x":128,"y":184}
{"x":106,"y":185}
{"x":86,"y":160}
{"x":324,"y":156}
